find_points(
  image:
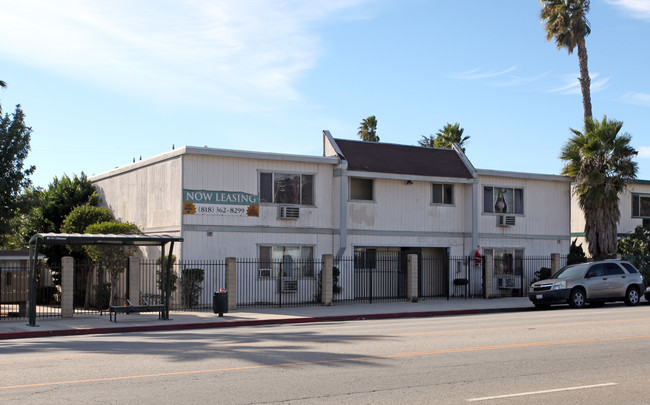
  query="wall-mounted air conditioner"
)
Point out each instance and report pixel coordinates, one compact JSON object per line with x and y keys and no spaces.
{"x":505,"y":220}
{"x":264,"y":273}
{"x":289,"y":212}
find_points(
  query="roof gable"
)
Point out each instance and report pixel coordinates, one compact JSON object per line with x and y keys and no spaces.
{"x":380,"y":157}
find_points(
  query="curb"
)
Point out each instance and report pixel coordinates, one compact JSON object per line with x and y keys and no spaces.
{"x":259,"y":322}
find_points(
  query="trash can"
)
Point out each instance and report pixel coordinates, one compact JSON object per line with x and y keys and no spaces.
{"x":220,"y":303}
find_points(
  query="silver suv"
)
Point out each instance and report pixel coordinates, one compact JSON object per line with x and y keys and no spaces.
{"x":595,"y":282}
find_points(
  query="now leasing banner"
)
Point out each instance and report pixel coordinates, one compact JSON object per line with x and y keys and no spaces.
{"x":236,"y":203}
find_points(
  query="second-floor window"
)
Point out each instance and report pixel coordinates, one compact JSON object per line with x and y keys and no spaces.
{"x":640,"y":205}
{"x":442,"y":193}
{"x":503,"y":200}
{"x":361,"y":189}
{"x":287,"y":188}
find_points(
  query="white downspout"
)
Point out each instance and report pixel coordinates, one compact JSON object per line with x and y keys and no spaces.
{"x":475,"y":196}
{"x":343,"y":211}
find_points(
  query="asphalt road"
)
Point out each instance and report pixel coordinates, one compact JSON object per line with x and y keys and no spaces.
{"x":592,"y":355}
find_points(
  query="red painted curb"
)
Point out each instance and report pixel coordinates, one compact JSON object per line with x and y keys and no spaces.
{"x":230,"y":324}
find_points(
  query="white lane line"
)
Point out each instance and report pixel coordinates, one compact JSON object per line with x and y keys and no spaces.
{"x":521,"y":394}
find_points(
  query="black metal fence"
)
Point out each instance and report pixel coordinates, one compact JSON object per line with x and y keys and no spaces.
{"x":192,"y":284}
{"x":92,"y":286}
{"x":278,"y":283}
{"x":382,"y":276}
{"x":464,"y":276}
{"x":513,"y":275}
{"x":14,"y":293}
{"x":287,"y":282}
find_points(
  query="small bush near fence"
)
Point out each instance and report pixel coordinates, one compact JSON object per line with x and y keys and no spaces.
{"x":191,"y":286}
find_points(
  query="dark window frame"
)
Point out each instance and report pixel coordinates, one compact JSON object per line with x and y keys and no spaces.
{"x":517,"y":199}
{"x":358,"y":193}
{"x":442,"y":194}
{"x":298,"y":188}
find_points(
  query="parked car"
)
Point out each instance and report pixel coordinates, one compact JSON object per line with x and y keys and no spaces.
{"x":646,"y":294}
{"x":595,"y":283}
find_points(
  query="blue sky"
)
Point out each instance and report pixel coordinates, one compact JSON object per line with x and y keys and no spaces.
{"x":103,"y":82}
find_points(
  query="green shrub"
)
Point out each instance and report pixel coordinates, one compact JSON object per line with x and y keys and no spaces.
{"x":46,"y":295}
{"x":542,"y":274}
{"x":191,"y":288}
{"x":336,"y":288}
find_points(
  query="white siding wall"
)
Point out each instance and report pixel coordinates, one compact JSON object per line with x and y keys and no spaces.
{"x":545,"y":224}
{"x":407,"y":207}
{"x":240,"y":236}
{"x":148,"y":195}
{"x":402,"y":215}
{"x":626,"y":224}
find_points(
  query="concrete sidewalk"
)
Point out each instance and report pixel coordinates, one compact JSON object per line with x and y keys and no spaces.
{"x":96,"y":324}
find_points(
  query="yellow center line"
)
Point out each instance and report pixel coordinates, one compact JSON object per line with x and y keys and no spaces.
{"x":351,"y":359}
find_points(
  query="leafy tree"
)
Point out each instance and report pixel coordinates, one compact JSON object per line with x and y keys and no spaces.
{"x":14,"y":175}
{"x":113,"y":258}
{"x":61,"y":197}
{"x":191,"y":286}
{"x":447,"y":136}
{"x":173,"y":277}
{"x":368,"y":129}
{"x":20,"y":226}
{"x":636,"y":249}
{"x":566,"y":22}
{"x":576,"y":253}
{"x":55,"y":204}
{"x":427,"y":141}
{"x":77,"y":221}
{"x":82,"y":216}
{"x":601,"y":161}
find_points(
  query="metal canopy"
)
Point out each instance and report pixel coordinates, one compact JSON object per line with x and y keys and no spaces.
{"x":97,"y":239}
{"x":100,"y":239}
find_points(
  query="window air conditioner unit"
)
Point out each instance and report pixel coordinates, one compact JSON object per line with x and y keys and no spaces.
{"x":505,"y":220}
{"x":288,"y":212}
{"x":264,"y":273}
{"x":288,"y":285}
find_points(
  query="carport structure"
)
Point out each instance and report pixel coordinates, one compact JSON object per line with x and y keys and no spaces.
{"x":77,"y":239}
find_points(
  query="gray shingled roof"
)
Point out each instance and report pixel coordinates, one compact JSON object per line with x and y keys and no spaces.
{"x":380,"y":157}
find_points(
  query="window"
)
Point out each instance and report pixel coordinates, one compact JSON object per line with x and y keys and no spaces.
{"x":640,"y":205}
{"x":501,"y":200}
{"x":365,"y":258}
{"x":292,"y":261}
{"x":507,"y":261}
{"x":443,"y":194}
{"x":361,"y":189}
{"x":286,"y":188}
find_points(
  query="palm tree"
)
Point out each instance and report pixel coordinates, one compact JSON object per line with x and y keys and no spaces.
{"x":368,"y":129}
{"x":566,"y":22}
{"x":427,"y":141}
{"x":601,"y":161}
{"x":448,"y":135}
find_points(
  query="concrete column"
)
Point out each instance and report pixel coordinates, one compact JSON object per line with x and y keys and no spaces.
{"x":231,"y":282}
{"x":67,"y":287}
{"x":134,"y":280}
{"x":412,"y":278}
{"x":555,"y":262}
{"x":327,"y":280}
{"x":489,"y":273}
